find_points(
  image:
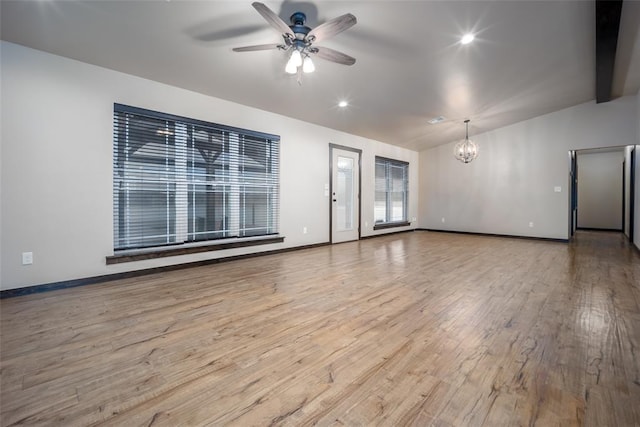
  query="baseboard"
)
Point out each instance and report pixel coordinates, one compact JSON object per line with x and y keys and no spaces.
{"x":511,"y":236}
{"x":47,"y":287}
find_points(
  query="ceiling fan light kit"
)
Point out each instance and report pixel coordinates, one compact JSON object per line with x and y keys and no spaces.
{"x":466,"y":150}
{"x":296,"y":58}
{"x":295,"y":61}
{"x":308,"y":66}
{"x":299,"y":39}
{"x":291,"y":67}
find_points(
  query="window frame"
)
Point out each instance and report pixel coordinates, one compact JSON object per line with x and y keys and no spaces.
{"x":188,"y":244}
{"x":387,"y":223}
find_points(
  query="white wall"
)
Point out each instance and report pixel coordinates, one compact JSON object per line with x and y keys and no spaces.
{"x":600,"y":189}
{"x":56,"y":166}
{"x":511,"y":183}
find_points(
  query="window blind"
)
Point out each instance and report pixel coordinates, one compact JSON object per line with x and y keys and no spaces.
{"x":391,"y":190}
{"x":179,"y":180}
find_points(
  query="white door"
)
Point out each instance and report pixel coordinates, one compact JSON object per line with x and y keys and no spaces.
{"x":345,"y":195}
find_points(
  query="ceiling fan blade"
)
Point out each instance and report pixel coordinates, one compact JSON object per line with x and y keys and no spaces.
{"x":334,"y":56}
{"x":331,"y":28}
{"x":257,"y":47}
{"x":273,"y":19}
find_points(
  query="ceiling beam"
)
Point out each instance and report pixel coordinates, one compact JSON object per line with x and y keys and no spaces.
{"x":607,"y":25}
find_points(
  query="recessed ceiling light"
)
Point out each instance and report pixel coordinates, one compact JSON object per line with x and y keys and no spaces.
{"x":342,"y":104}
{"x":436,"y":120}
{"x":467,"y":38}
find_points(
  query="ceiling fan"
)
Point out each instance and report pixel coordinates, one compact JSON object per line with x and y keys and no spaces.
{"x":300,"y":39}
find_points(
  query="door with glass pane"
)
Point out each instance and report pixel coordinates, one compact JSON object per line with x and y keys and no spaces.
{"x":345,"y":195}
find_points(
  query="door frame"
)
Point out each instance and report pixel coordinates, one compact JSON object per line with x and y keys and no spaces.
{"x":632,"y":192}
{"x":573,"y":193}
{"x":624,"y":196}
{"x":359,"y":152}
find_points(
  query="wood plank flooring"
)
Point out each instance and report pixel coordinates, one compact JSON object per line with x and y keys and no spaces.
{"x":407,"y":329}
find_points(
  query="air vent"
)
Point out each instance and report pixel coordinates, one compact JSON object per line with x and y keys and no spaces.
{"x":436,"y":120}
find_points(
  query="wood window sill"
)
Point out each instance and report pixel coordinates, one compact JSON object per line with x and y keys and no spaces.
{"x":161,"y":253}
{"x":391,"y":225}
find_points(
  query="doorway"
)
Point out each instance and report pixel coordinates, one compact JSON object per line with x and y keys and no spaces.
{"x":602,"y":190}
{"x":344,"y":205}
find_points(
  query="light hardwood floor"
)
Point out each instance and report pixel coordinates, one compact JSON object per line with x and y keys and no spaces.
{"x":407,"y":329}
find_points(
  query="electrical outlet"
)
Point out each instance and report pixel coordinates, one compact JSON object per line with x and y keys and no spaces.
{"x":443,"y":220}
{"x":531,"y":225}
{"x":27,"y":258}
{"x":304,"y":230}
{"x":413,"y":219}
{"x":366,"y":224}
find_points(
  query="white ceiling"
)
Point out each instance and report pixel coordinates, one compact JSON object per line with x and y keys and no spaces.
{"x":529,"y":57}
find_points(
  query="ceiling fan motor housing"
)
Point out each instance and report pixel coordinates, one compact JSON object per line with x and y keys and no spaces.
{"x":297,"y":25}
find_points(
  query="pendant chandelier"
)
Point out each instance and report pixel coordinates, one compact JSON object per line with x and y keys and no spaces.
{"x":466,"y":150}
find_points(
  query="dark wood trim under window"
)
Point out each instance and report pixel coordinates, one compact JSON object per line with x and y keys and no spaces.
{"x":382,"y":226}
{"x":129,"y":257}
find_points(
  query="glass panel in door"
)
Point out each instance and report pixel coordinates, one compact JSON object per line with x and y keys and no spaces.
{"x":344,"y":194}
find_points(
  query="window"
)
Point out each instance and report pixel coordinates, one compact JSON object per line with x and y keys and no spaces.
{"x":178,"y":180}
{"x":391,"y":192}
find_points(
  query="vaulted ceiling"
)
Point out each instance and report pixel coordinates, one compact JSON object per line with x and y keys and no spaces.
{"x":529,"y":57}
